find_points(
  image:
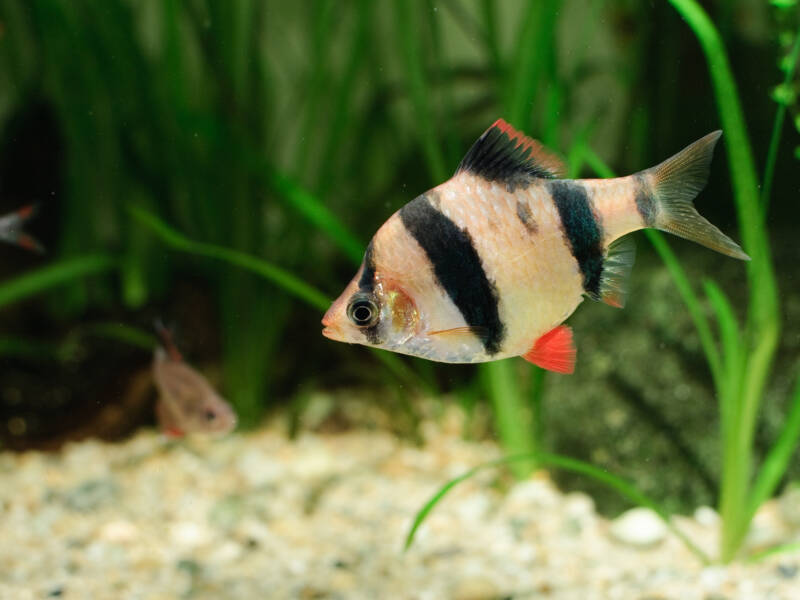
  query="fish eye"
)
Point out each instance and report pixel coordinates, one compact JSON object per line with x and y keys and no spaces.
{"x":209,"y":414}
{"x":362,"y":310}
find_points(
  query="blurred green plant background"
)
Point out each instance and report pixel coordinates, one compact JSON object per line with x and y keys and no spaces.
{"x":222,"y":165}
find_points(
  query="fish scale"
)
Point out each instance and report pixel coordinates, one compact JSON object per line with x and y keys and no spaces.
{"x":534,"y":291}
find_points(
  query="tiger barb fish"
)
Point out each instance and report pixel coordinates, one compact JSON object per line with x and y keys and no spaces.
{"x":187,"y":402}
{"x":490,"y":263}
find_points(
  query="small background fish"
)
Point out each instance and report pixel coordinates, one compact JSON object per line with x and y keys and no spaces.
{"x":490,"y":263}
{"x":187,"y":402}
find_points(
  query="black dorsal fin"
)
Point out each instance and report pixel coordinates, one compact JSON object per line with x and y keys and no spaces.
{"x":506,"y":155}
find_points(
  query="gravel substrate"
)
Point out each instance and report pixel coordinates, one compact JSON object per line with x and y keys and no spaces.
{"x":324,"y":516}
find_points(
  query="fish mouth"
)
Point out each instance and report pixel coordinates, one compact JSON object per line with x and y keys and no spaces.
{"x":330,"y":330}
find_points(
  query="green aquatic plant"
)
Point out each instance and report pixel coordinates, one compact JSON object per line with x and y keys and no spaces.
{"x":57,"y":274}
{"x":618,"y":484}
{"x":743,"y":364}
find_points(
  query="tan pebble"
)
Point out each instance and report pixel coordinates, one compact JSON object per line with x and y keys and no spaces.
{"x":789,"y":504}
{"x":342,"y":581}
{"x":768,"y":528}
{"x":706,"y":516}
{"x":475,"y":587}
{"x":226,"y":553}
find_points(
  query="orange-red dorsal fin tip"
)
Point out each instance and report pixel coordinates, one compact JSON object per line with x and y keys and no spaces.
{"x":554,"y":351}
{"x":506,"y":155}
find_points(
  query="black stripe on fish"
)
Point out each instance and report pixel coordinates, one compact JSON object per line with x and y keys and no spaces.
{"x":526,"y":217}
{"x":582,"y":231}
{"x":645,"y":203}
{"x":366,"y":284}
{"x":457,"y":267}
{"x":367,"y":280}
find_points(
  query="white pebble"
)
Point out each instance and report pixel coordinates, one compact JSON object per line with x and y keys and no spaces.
{"x":640,"y":527}
{"x":188,"y":534}
{"x":706,"y":516}
{"x":118,"y":532}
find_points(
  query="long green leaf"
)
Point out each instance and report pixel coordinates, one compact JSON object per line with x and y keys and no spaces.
{"x":53,"y":275}
{"x":621,"y":486}
{"x":763,"y":322}
{"x":408,"y":34}
{"x":779,"y":456}
{"x":309,"y":206}
{"x":283,"y":279}
{"x":511,"y":418}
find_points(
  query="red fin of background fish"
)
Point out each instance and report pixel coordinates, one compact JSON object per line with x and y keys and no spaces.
{"x":10,"y":229}
{"x":504,"y":154}
{"x":675,"y":183}
{"x":554,"y":351}
{"x":616,"y":271}
{"x":29,"y":243}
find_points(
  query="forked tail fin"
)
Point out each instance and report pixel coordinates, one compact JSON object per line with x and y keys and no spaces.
{"x":673,"y":185}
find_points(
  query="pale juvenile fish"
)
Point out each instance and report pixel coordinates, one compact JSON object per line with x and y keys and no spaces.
{"x":11,"y":229}
{"x":187,"y":403}
{"x":490,"y":263}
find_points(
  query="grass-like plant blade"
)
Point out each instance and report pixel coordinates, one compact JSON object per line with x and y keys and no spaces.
{"x":342,"y":105}
{"x":534,"y":40}
{"x":777,"y":128}
{"x":779,"y":456}
{"x":732,"y":350}
{"x":309,"y":206}
{"x":763,"y":292}
{"x":120,"y":332}
{"x":774,"y":550}
{"x":31,"y":349}
{"x":618,"y":484}
{"x":280,"y":277}
{"x":510,"y":415}
{"x":55,"y":274}
{"x":763,"y":319}
{"x":408,"y":41}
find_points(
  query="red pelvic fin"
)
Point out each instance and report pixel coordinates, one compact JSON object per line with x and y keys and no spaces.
{"x":554,"y":351}
{"x":29,"y":243}
{"x":173,"y":432}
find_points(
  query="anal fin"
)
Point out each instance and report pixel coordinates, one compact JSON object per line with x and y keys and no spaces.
{"x":554,"y":351}
{"x":616,"y":271}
